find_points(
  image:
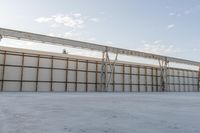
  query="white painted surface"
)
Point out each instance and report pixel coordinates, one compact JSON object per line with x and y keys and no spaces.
{"x":180,"y":80}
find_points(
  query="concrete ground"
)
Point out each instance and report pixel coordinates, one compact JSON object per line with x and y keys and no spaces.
{"x":99,"y":112}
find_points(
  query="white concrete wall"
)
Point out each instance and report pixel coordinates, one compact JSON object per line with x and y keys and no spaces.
{"x":59,"y":75}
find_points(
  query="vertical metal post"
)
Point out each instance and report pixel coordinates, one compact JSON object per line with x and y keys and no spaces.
{"x":173,"y":73}
{"x":198,"y":85}
{"x":105,"y":78}
{"x":193,"y":81}
{"x":169,"y":81}
{"x":123,"y":78}
{"x":145,"y":71}
{"x":112,"y":71}
{"x":138,"y":78}
{"x":106,"y":73}
{"x":184,"y":80}
{"x":164,"y":74}
{"x":66,"y":80}
{"x":188,"y":79}
{"x":51,"y":89}
{"x":4,"y":64}
{"x":113,"y":79}
{"x":103,"y":72}
{"x":22,"y":71}
{"x":86,"y":87}
{"x":152,"y":84}
{"x":157,"y":80}
{"x":179,"y":84}
{"x":37,"y":74}
{"x":96,"y":73}
{"x":76,"y":76}
{"x":131,"y":81}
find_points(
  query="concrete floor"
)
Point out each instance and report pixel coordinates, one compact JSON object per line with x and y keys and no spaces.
{"x":99,"y":112}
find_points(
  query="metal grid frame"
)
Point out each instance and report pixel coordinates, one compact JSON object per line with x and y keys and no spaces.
{"x":138,"y":74}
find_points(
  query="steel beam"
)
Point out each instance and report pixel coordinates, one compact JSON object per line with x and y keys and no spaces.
{"x":8,"y":33}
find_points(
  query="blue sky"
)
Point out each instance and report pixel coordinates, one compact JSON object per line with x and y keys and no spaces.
{"x":167,"y":27}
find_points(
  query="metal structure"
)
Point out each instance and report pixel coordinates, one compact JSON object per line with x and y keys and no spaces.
{"x":164,"y":74}
{"x":28,"y":70}
{"x":106,"y":65}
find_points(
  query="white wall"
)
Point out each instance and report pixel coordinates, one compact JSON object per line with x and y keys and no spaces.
{"x":69,"y":74}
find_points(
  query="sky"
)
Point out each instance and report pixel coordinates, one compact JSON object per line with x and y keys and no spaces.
{"x":167,"y":27}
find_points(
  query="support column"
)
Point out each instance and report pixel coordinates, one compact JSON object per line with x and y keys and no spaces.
{"x":3,"y":71}
{"x":37,"y":74}
{"x":164,"y":74}
{"x":105,"y":75}
{"x":96,"y":77}
{"x":1,"y":37}
{"x":86,"y":77}
{"x":66,"y":75}
{"x":198,"y":85}
{"x":103,"y":72}
{"x":22,"y":72}
{"x":51,"y":89}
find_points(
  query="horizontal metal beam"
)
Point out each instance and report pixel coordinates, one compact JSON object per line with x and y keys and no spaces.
{"x":8,"y":33}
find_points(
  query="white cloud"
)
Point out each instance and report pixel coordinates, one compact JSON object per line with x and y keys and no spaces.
{"x":192,"y":10}
{"x":178,"y":15}
{"x":71,"y":20}
{"x":54,"y":25}
{"x":171,"y":14}
{"x":92,"y":39}
{"x":109,"y":42}
{"x":102,"y":13}
{"x":157,"y":47}
{"x":43,"y":19}
{"x":196,"y":49}
{"x":72,"y":35}
{"x":77,"y":35}
{"x":77,"y":15}
{"x":68,"y":21}
{"x":143,"y":41}
{"x":185,"y":12}
{"x":171,"y":26}
{"x":157,"y":41}
{"x":94,"y":19}
{"x":175,"y":14}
